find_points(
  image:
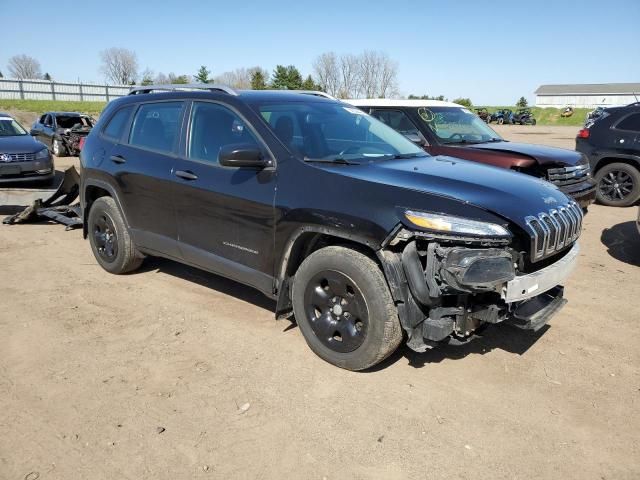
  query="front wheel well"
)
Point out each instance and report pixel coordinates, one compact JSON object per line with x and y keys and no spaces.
{"x":303,"y":246}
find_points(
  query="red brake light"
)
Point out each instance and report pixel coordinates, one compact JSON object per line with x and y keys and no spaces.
{"x":81,"y":143}
{"x":583,"y":133}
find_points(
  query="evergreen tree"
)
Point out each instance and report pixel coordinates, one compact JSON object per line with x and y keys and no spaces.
{"x":309,"y":84}
{"x":522,"y":103}
{"x":203,"y":75}
{"x":286,"y":78}
{"x":258,"y":82}
{"x":47,"y":76}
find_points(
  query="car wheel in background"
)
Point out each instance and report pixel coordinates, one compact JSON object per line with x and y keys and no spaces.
{"x":58,"y":149}
{"x":500,"y":121}
{"x":344,"y":309}
{"x":533,"y":121}
{"x":618,"y":185}
{"x":109,"y":238}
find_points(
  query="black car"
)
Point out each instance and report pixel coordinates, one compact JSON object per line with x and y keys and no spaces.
{"x":611,"y":141}
{"x":444,"y":128}
{"x":62,"y":131}
{"x":22,"y":158}
{"x":340,"y":219}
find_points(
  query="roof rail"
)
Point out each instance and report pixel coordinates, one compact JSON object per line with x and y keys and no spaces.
{"x":172,"y":87}
{"x":305,"y":92}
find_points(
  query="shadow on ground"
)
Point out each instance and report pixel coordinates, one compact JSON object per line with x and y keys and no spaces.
{"x":209,"y":280}
{"x":623,"y":242}
{"x":16,"y":196}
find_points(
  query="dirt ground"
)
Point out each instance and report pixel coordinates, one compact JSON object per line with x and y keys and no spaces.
{"x":173,"y":373}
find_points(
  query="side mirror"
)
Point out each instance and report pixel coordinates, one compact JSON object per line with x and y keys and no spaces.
{"x":415,"y":138}
{"x":243,"y":155}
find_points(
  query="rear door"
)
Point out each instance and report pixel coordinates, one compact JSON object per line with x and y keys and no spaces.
{"x":48,"y":128}
{"x":627,"y":133}
{"x":142,"y":165}
{"x":225,"y":215}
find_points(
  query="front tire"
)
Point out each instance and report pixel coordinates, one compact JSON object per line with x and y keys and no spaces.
{"x":109,"y":238}
{"x":618,"y":185}
{"x":500,"y":121}
{"x":344,"y":309}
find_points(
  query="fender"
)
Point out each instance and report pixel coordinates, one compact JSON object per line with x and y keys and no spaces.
{"x":83,"y":201}
{"x":601,"y":155}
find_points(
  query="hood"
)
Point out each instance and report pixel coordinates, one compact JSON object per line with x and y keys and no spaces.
{"x":542,"y":154}
{"x":508,"y":194}
{"x":20,"y":144}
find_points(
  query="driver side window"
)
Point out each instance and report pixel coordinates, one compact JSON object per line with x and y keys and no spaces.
{"x":214,"y":126}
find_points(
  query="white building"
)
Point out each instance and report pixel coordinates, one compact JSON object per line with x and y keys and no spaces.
{"x":587,"y":95}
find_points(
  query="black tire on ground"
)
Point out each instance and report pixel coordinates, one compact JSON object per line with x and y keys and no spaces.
{"x":338,"y":291}
{"x":618,"y":185}
{"x":533,"y":121}
{"x":500,"y":121}
{"x":58,"y":149}
{"x":109,"y":238}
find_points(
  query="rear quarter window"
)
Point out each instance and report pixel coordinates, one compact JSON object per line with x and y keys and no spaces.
{"x":630,"y":122}
{"x":116,"y":125}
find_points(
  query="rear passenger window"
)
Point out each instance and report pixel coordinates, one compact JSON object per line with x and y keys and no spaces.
{"x":118,"y":122}
{"x":156,"y":126}
{"x":214,"y":126}
{"x":632,"y":123}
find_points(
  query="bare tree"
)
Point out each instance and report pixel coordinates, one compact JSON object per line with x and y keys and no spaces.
{"x":369,"y":74}
{"x":327,"y":73}
{"x":349,"y":76}
{"x":240,"y":77}
{"x":119,"y":65}
{"x":24,"y":66}
{"x":387,"y":76}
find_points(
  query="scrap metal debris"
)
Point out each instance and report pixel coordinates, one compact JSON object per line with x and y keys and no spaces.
{"x":57,"y":207}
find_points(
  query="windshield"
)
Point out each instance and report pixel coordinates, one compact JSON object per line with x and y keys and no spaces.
{"x":10,"y":128}
{"x":73,"y":121}
{"x":457,"y":125}
{"x":334,"y":132}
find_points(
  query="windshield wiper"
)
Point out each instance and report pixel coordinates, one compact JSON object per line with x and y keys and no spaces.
{"x":402,"y":156}
{"x":339,"y":161}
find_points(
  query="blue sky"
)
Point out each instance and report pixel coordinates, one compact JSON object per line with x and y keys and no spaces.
{"x":490,"y":51}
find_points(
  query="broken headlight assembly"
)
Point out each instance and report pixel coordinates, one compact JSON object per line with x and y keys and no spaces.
{"x":449,"y":224}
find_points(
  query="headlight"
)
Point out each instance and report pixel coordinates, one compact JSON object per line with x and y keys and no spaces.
{"x":43,"y":154}
{"x":451,"y":224}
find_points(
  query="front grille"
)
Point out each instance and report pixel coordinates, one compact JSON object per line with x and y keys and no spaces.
{"x":553,"y":230}
{"x":17,"y":157}
{"x":568,"y":175}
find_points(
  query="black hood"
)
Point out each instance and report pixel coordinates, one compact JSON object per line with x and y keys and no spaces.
{"x":505,"y":193}
{"x":541,"y":153}
{"x":20,"y":144}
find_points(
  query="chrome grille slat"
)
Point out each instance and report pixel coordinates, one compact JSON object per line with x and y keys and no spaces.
{"x":21,"y":157}
{"x":568,"y":175}
{"x":554,"y":230}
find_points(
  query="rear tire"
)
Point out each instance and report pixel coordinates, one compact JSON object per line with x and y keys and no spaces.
{"x":618,"y":185}
{"x":500,"y":121}
{"x":344,"y":309}
{"x":109,"y":238}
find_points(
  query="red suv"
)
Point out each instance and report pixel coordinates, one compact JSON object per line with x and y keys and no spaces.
{"x":445,"y":128}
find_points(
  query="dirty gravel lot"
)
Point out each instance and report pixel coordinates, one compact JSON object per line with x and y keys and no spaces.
{"x":173,"y":373}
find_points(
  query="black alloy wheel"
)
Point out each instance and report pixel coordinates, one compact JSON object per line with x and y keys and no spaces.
{"x":105,"y":238}
{"x":618,"y":185}
{"x":336,"y":311}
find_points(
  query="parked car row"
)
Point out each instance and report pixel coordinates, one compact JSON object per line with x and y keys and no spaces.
{"x":347,"y":224}
{"x":522,"y":116}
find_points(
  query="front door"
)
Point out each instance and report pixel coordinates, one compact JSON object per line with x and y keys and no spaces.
{"x":225,"y":214}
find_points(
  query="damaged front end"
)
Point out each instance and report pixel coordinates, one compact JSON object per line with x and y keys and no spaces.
{"x":71,"y":137}
{"x":446,"y":287}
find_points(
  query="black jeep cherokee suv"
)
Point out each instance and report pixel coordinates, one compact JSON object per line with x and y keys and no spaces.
{"x":342,"y":220}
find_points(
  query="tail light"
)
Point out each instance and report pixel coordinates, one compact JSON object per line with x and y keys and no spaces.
{"x":583,"y":133}
{"x":81,"y":143}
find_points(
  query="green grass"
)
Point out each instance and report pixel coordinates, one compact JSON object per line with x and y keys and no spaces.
{"x":550,"y":116}
{"x":41,"y":106}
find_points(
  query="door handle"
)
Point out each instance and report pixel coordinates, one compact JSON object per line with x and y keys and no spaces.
{"x":118,"y":159}
{"x":186,"y":174}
